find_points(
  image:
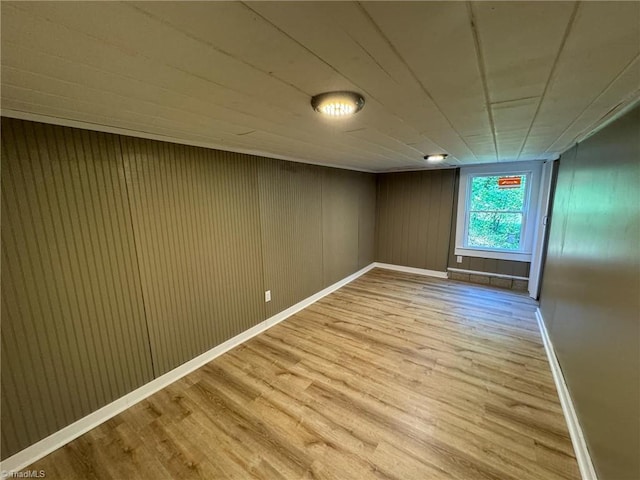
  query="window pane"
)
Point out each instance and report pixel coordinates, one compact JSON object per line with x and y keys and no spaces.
{"x":488,"y":194}
{"x":495,"y":230}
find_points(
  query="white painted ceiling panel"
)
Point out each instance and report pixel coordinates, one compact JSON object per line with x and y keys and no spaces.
{"x":511,"y":119}
{"x":483,"y":82}
{"x":366,"y":58}
{"x":519,"y":44}
{"x":603,"y":41}
{"x":619,"y":93}
{"x":520,"y":41}
{"x":261,"y":47}
{"x":435,"y":41}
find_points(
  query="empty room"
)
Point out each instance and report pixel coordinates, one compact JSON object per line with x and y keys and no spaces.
{"x":320,"y":240}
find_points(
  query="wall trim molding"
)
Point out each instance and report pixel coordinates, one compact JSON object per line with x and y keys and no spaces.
{"x":440,"y":166}
{"x":486,"y":274}
{"x":624,"y":107}
{"x":417,"y":271}
{"x":40,"y":449}
{"x":67,"y":122}
{"x":575,"y":430}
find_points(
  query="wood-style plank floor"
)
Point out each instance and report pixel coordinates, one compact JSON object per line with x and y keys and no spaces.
{"x":394,"y":376}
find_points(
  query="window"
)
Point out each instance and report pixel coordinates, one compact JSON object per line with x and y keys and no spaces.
{"x":496,"y":211}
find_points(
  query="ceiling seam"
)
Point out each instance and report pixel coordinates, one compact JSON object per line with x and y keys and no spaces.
{"x":629,"y":103}
{"x":390,"y":138}
{"x":98,"y":127}
{"x":483,"y":76}
{"x":225,"y":135}
{"x":190,"y":74}
{"x":402,"y":97}
{"x":130,"y":79}
{"x":552,"y":72}
{"x":270,"y":132}
{"x":136,"y":80}
{"x":250,"y":65}
{"x":212,"y":46}
{"x":226,"y":143}
{"x":373,"y":59}
{"x":128,"y":98}
{"x":130,"y":53}
{"x":413,"y":75}
{"x":340,"y":73}
{"x":514,"y":100}
{"x":626,"y":68}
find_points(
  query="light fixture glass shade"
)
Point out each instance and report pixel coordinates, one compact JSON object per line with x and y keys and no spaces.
{"x":337,"y":104}
{"x":438,"y":157}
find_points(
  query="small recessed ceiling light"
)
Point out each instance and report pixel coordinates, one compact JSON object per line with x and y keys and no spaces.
{"x":435,"y":158}
{"x":337,"y":104}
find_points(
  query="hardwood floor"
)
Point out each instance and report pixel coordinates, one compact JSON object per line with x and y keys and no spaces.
{"x":394,"y":376}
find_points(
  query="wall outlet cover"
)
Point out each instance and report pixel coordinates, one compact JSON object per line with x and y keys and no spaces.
{"x":267,"y":296}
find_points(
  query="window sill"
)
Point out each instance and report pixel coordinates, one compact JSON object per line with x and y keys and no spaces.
{"x":474,"y":252}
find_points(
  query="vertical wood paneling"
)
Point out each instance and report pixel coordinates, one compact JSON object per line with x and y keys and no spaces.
{"x":291,"y":223}
{"x":414,"y":218}
{"x":340,"y":223}
{"x":367,"y":219}
{"x":123,"y":258}
{"x":73,"y":332}
{"x":196,"y":220}
{"x":317,"y":226}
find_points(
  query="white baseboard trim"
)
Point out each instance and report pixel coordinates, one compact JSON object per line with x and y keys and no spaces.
{"x":417,"y":271}
{"x":35,"y":452}
{"x":486,"y":274}
{"x":575,"y":430}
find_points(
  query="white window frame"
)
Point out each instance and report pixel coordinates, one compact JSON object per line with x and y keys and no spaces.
{"x":533,"y":172}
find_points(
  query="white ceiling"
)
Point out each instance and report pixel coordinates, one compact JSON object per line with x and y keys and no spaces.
{"x":483,"y":81}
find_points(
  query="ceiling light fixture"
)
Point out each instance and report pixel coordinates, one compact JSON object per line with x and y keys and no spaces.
{"x":337,"y":104}
{"x":438,"y":157}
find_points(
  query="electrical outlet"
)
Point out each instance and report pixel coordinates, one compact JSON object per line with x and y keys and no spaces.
{"x":267,"y":296}
{"x":459,"y":259}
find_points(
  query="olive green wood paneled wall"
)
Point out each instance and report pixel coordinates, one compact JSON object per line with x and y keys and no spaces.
{"x":73,"y":329}
{"x":366,"y":186}
{"x":414,"y":218}
{"x":340,"y":207}
{"x":590,"y":297}
{"x":123,"y":258}
{"x":196,"y":219}
{"x":320,"y":218}
{"x":291,"y":220}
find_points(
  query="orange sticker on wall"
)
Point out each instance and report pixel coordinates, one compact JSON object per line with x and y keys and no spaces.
{"x":509,"y":182}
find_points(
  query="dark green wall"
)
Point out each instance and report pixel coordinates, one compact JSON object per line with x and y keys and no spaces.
{"x":590,"y":297}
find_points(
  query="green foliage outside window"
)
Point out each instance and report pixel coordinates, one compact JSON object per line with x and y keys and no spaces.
{"x":495,"y":214}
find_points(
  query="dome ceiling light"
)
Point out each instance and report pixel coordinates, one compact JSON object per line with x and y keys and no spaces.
{"x":337,"y":104}
{"x":437,"y":157}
